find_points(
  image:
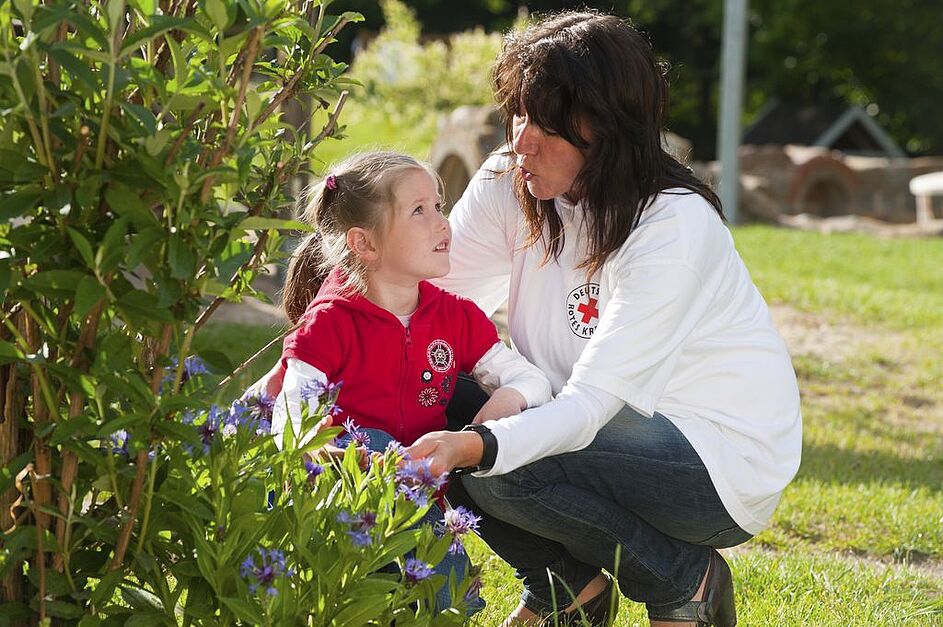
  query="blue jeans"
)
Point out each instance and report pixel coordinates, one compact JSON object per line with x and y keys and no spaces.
{"x":458,"y":564}
{"x":639,"y":486}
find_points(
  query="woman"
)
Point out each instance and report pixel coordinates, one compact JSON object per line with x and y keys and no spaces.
{"x":676,"y":422}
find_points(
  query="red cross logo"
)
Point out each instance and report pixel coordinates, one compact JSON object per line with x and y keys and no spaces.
{"x":589,"y":310}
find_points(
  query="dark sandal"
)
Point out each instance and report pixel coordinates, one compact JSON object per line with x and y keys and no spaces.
{"x":599,"y":611}
{"x":718,"y":608}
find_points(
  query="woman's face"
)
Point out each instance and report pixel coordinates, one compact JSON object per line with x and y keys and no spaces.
{"x":548,"y":163}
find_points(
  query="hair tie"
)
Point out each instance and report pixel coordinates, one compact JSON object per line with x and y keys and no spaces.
{"x":330,"y":182}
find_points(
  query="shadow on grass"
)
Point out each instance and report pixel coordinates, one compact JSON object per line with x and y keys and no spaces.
{"x":830,"y":464}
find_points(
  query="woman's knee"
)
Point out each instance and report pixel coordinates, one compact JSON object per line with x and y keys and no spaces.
{"x":494,"y":493}
{"x":379,"y":439}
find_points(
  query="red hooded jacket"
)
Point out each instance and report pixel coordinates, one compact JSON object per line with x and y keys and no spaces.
{"x":396,"y":379}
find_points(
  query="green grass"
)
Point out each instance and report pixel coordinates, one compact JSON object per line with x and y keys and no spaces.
{"x":239,"y":342}
{"x":894,"y":282}
{"x":777,"y":588}
{"x":858,"y":536}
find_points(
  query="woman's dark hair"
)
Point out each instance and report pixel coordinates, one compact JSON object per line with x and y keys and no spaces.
{"x":585,"y":70}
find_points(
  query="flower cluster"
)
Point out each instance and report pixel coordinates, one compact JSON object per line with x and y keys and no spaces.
{"x":360,"y":526}
{"x":415,"y":481}
{"x":262,"y":575}
{"x":253,"y":414}
{"x":416,"y":570}
{"x":192,"y":366}
{"x":458,"y":522}
{"x":316,"y":393}
{"x":227,"y":422}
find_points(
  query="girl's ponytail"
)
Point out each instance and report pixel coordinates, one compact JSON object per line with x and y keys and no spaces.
{"x":306,"y":272}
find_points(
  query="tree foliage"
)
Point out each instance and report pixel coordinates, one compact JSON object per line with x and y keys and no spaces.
{"x":878,"y":52}
{"x":874,"y":52}
{"x":143,"y":164}
{"x":413,"y":80}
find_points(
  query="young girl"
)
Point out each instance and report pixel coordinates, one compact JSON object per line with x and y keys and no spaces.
{"x":396,"y":341}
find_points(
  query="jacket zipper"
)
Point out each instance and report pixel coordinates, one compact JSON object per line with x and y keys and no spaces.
{"x":404,"y":386}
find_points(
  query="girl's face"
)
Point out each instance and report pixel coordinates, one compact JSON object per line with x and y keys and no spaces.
{"x":548,"y":163}
{"x":415,"y":245}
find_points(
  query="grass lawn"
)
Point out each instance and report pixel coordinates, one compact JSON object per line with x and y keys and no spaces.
{"x":370,"y":128}
{"x":858,"y":536}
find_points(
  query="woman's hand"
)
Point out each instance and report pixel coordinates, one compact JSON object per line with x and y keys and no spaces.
{"x":447,"y":450}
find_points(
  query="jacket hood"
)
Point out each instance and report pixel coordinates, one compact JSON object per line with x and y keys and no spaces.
{"x":334,"y":292}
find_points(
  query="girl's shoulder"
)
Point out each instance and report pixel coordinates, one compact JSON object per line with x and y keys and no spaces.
{"x":444,"y":301}
{"x":323,"y":314}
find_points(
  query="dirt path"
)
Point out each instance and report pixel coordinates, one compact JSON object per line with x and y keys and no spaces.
{"x":812,"y":334}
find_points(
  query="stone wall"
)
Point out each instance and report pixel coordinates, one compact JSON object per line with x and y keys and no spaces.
{"x":794,"y":180}
{"x":775,"y":181}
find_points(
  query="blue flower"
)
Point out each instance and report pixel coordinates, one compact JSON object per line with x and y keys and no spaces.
{"x":319,"y":393}
{"x":213,"y":423}
{"x":314,"y":471}
{"x":360,"y":526}
{"x":354,"y":433}
{"x":316,"y":393}
{"x":474,"y":590}
{"x":119,"y":442}
{"x":260,"y":405}
{"x":192,"y":366}
{"x":360,"y":537}
{"x":210,"y":427}
{"x":416,"y":571}
{"x":397,"y":449}
{"x":262,"y":575}
{"x":458,"y":522}
{"x":415,"y":481}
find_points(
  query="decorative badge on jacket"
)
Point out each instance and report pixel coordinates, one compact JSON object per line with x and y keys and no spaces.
{"x":582,"y":310}
{"x":440,"y":355}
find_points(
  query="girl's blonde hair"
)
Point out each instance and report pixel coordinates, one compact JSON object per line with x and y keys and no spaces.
{"x":358,"y":192}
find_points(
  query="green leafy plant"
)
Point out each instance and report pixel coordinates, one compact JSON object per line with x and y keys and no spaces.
{"x":144,"y":163}
{"x":397,"y":69}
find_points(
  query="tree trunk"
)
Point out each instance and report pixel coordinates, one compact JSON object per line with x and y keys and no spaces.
{"x":11,"y":416}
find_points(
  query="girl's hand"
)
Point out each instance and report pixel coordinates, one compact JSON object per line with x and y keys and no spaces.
{"x":270,"y":382}
{"x":448,"y":450}
{"x":330,"y":451}
{"x":503,"y":403}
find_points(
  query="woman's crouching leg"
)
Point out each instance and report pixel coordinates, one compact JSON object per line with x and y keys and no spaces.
{"x":551,"y":575}
{"x":591,"y":532}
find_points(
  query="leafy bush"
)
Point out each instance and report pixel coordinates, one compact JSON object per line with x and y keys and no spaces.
{"x":143,"y":163}
{"x":411,"y":79}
